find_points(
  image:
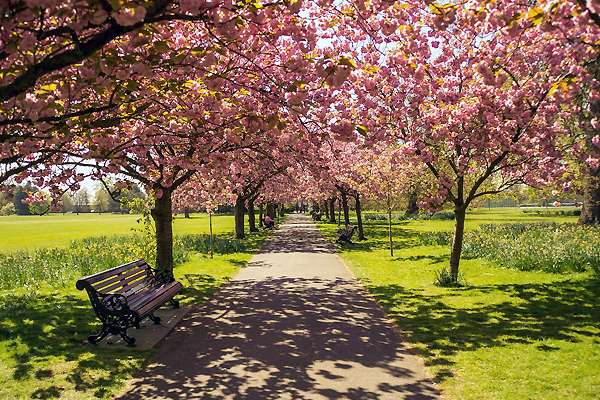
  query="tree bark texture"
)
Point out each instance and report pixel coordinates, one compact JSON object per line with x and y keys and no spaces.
{"x":457,"y":242}
{"x":361,"y":231}
{"x":390,"y":231}
{"x":590,"y":213}
{"x":251,"y":216}
{"x":162,"y":214}
{"x":239,"y":217}
{"x":345,"y":207}
{"x":413,"y":206}
{"x":332,"y":210}
{"x":272,"y":210}
{"x":261,"y":217}
{"x":326,"y":209}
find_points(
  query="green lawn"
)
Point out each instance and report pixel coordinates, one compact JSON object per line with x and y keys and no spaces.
{"x":20,"y":232}
{"x":42,"y":328}
{"x":507,"y":335}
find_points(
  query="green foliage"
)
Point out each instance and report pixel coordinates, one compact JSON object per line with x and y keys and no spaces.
{"x":506,"y":326}
{"x":440,"y":238}
{"x":221,"y":244}
{"x":547,"y":213}
{"x":539,"y":246}
{"x":547,"y":246}
{"x":443,"y":278}
{"x":43,"y":327}
{"x":444,"y":215}
{"x":62,"y":266}
{"x":8,"y":209}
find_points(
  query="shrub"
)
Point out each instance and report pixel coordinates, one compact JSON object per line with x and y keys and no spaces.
{"x":63,"y":266}
{"x":221,"y":244}
{"x":8,"y":209}
{"x":443,"y":278}
{"x":442,"y":238}
{"x":545,"y":246}
{"x":444,"y":215}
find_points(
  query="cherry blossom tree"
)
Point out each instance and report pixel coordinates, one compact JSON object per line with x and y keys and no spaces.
{"x":388,"y":174}
{"x":577,"y":24}
{"x":470,"y":102}
{"x":157,"y":92}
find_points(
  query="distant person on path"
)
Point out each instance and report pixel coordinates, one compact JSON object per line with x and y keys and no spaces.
{"x":269,"y":223}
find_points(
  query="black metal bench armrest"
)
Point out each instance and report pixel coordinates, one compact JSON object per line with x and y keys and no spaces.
{"x":162,"y":275}
{"x":113,"y":302}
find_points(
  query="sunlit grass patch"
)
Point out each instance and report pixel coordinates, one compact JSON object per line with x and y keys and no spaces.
{"x":43,"y":326}
{"x":508,"y":334}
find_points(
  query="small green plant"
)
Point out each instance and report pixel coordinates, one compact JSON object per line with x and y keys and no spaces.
{"x":221,"y":244}
{"x":443,"y":215}
{"x":443,"y":278}
{"x":440,"y":238}
{"x":12,"y":303}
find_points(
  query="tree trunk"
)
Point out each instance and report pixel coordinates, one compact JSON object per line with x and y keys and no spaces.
{"x":186,"y":212}
{"x":251,"y":216}
{"x":361,"y":232}
{"x":261,"y":217}
{"x":590,"y":213}
{"x":346,"y":208}
{"x":457,"y":242}
{"x":332,"y":210}
{"x":239,"y":217}
{"x":390,"y":231}
{"x":211,"y":234}
{"x":272,"y":211}
{"x":162,"y":214}
{"x":326,"y":208}
{"x":413,"y":206}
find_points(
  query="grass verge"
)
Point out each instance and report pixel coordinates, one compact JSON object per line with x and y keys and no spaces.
{"x":42,"y":329}
{"x":29,"y":232}
{"x":508,"y":334}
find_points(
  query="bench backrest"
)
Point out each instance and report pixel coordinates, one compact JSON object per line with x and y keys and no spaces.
{"x":121,"y":280}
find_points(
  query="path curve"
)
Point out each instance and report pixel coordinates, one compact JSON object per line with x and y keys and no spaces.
{"x":293,"y":324}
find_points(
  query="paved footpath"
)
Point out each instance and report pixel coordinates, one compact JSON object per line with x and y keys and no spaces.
{"x":293,"y":324}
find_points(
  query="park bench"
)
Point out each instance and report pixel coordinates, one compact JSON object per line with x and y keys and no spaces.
{"x":344,"y":235}
{"x":123,"y":296}
{"x":316,"y":216}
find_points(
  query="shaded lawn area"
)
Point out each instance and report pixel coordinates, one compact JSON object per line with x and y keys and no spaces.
{"x":42,"y":330}
{"x":506,"y":335}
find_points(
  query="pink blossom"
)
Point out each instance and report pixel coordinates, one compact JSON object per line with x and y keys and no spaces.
{"x":344,"y":131}
{"x":129,"y":16}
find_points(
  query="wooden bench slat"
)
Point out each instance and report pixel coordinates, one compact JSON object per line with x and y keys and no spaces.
{"x":145,"y":293}
{"x":164,"y":296}
{"x":113,"y":271}
{"x":110,"y":285}
{"x":123,"y":285}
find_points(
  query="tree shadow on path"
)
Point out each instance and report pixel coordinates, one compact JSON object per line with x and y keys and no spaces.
{"x":284,"y":338}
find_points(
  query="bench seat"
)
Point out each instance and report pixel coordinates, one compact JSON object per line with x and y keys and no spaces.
{"x":123,"y":296}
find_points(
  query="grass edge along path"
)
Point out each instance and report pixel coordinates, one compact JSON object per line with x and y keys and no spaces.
{"x":42,"y":330}
{"x":508,"y":334}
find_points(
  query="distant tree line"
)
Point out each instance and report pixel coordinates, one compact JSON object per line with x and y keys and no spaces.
{"x":97,"y":200}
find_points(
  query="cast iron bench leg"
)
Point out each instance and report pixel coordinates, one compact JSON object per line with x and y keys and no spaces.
{"x":154,"y":319}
